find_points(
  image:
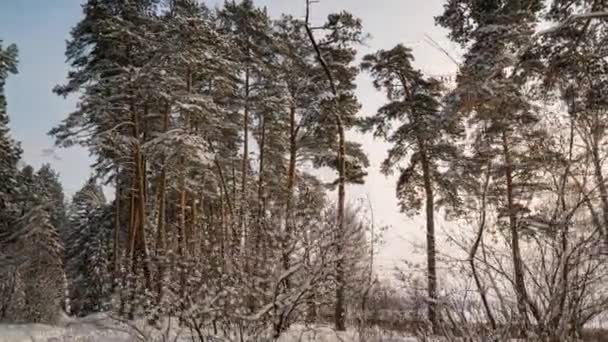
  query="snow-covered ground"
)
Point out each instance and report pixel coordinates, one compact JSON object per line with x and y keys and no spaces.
{"x":99,"y":328}
{"x":89,"y":329}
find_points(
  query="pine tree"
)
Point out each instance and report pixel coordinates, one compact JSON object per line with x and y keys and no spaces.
{"x":88,"y":250}
{"x":173,"y":96}
{"x":42,"y":273}
{"x":421,"y":137}
{"x":294,"y":71}
{"x":36,"y":250}
{"x":249,"y":28}
{"x":111,"y":55}
{"x":10,"y":152}
{"x":191,"y":81}
{"x":32,"y":286}
{"x":568,"y":59}
{"x":335,"y":54}
{"x":506,"y":123}
{"x":48,"y":186}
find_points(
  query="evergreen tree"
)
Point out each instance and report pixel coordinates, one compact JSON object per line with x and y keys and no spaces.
{"x":88,"y":250}
{"x":335,"y":55}
{"x":32,"y":285}
{"x":10,"y":152}
{"x":42,"y":273}
{"x":173,"y":95}
{"x":568,"y":60}
{"x":249,"y":28}
{"x":36,"y":273}
{"x":111,"y":55}
{"x":421,"y":138}
{"x":49,"y":187}
{"x":490,"y":88}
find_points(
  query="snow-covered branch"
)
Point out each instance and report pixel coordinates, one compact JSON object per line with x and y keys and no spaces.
{"x":573,"y":18}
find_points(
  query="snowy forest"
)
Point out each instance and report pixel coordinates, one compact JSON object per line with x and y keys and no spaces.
{"x":218,"y":207}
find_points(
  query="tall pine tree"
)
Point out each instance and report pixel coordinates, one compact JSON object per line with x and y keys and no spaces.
{"x":422,"y":137}
{"x":10,"y":152}
{"x":490,"y":89}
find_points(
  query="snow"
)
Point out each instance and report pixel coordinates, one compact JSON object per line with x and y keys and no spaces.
{"x":90,"y":329}
{"x":327,"y":96}
{"x":102,"y":328}
{"x":573,"y":18}
{"x":327,"y":334}
{"x":41,"y":332}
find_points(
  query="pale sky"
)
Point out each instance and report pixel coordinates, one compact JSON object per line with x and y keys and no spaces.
{"x":40,"y":28}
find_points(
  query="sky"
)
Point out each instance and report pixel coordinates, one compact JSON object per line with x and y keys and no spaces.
{"x":41,"y":27}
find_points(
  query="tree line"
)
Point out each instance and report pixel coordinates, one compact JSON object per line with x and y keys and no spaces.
{"x":211,"y":126}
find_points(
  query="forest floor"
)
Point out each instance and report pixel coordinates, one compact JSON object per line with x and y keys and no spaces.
{"x":100,"y":328}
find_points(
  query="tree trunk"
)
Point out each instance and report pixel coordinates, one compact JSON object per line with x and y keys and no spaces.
{"x":291,"y":177}
{"x":141,"y":244}
{"x":192,"y":237}
{"x":183,"y":234}
{"x":116,"y":239}
{"x":138,"y":209}
{"x":261,"y":206}
{"x":182,"y":219}
{"x":245,"y":165}
{"x":601,"y":184}
{"x":340,"y":309}
{"x":131,"y":234}
{"x":520,"y":285}
{"x":161,"y":235}
{"x":473,"y":253}
{"x":555,"y":322}
{"x":430,"y":237}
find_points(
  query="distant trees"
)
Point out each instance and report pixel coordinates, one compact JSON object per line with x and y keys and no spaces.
{"x":32,"y":285}
{"x":9,"y":149}
{"x":88,"y":251}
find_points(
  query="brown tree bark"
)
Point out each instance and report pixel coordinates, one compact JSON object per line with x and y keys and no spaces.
{"x":161,"y":235}
{"x":137,"y":249}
